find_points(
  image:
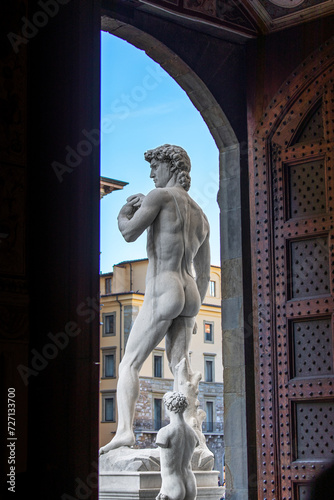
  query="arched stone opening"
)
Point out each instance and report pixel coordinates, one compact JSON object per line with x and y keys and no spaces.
{"x":229,"y":200}
{"x":196,"y":90}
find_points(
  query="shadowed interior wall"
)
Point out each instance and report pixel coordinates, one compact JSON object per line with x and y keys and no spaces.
{"x":63,"y":236}
{"x":58,"y":66}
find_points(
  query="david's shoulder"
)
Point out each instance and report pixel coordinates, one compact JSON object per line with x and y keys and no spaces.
{"x":198,"y":210}
{"x":158,"y":193}
{"x":157,"y":197}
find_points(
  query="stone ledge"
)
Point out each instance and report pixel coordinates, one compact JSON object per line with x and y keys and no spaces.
{"x":146,"y":485}
{"x":125,"y":459}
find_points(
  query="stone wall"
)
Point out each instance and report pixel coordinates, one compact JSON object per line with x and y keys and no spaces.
{"x":214,"y":440}
{"x":215,"y":443}
{"x":213,"y":392}
{"x":149,"y":388}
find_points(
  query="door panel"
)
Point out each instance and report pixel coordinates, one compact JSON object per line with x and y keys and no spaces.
{"x":303,"y":255}
{"x":293,"y":267}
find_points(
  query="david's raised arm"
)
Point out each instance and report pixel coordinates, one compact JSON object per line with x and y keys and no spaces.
{"x":138,"y":214}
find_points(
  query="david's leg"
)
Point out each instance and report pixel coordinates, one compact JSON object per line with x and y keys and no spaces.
{"x":145,"y":335}
{"x":178,"y":340}
{"x":127,"y":395}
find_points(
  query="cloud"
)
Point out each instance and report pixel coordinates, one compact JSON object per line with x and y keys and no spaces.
{"x":161,"y":109}
{"x":121,"y":112}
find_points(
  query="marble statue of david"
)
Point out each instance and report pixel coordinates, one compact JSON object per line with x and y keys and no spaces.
{"x":177,"y":244}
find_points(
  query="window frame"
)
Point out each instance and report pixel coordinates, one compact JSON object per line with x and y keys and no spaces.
{"x":155,"y":427}
{"x":109,"y":351}
{"x":211,"y":359}
{"x":214,"y":283}
{"x":211,"y":323}
{"x":104,"y":316}
{"x":161,"y":356}
{"x":109,"y":281}
{"x":213,"y":403}
{"x":105,"y":396}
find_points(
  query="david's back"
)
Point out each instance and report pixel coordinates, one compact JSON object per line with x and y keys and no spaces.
{"x":178,"y":231}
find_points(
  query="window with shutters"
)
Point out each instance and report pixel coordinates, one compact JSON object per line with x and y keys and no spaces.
{"x":109,"y":363}
{"x":157,"y":365}
{"x":108,"y":407}
{"x":157,"y":413}
{"x":208,"y":332}
{"x":109,"y":324}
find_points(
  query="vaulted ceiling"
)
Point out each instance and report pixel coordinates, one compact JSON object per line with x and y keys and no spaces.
{"x":245,"y":18}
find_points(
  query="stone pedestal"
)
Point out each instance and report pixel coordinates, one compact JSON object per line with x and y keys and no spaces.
{"x":146,"y":485}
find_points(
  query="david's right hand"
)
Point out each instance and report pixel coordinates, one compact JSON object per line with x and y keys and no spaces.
{"x":136,"y":200}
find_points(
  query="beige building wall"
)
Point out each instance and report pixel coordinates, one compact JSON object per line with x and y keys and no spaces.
{"x":122,"y":303}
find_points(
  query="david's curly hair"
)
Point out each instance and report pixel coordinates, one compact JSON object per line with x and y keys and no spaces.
{"x":178,"y":159}
{"x":175,"y":402}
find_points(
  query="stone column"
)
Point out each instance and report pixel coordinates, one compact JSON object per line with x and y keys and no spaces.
{"x":233,"y":326}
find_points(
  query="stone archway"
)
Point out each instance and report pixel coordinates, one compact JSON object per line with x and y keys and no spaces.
{"x":196,"y":90}
{"x":229,"y":200}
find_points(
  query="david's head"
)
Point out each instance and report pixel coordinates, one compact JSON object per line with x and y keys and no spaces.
{"x":169,"y":162}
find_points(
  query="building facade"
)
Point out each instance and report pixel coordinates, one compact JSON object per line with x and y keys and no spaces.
{"x":122,"y":295}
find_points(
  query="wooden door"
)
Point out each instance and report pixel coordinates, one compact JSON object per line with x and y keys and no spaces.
{"x":293,"y":267}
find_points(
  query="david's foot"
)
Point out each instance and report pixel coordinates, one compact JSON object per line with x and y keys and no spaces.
{"x":161,"y":496}
{"x":124,"y":439}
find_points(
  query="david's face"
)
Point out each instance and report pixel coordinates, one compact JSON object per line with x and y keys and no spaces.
{"x":160,"y":173}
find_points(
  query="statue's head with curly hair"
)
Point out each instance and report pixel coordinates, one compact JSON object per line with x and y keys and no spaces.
{"x":175,"y":402}
{"x":178,"y":160}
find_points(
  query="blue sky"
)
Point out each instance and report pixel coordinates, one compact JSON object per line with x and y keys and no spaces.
{"x":142,"y":107}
